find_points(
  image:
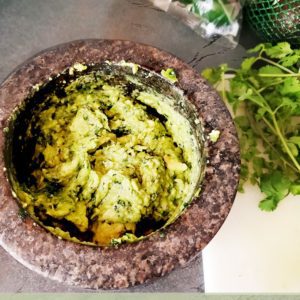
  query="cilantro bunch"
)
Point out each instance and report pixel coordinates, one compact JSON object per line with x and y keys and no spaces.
{"x":264,"y":95}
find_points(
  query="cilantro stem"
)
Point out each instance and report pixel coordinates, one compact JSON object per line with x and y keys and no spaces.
{"x":269,"y":125}
{"x":279,"y":155}
{"x":279,"y":75}
{"x":271,"y":62}
{"x":263,"y":103}
{"x":277,"y":108}
{"x":267,"y":86}
{"x":284,"y":144}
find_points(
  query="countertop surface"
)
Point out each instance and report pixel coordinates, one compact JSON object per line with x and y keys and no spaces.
{"x":27,"y":27}
{"x":255,"y":251}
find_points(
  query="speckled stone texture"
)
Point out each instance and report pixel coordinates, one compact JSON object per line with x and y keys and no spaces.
{"x":129,"y":264}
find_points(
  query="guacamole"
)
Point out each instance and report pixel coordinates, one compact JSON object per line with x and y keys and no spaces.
{"x":107,"y":162}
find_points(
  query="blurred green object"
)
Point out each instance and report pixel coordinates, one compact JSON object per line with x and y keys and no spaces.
{"x":275,"y":20}
{"x":218,"y":12}
{"x":218,"y":21}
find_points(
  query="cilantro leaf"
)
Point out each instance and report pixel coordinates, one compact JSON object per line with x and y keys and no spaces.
{"x":258,"y":48}
{"x":279,"y":51}
{"x":270,"y":70}
{"x":212,"y":75}
{"x":247,"y":63}
{"x":238,"y":86}
{"x":293,"y":148}
{"x":276,"y":186}
{"x":295,"y":140}
{"x":295,"y":189}
{"x":268,"y":204}
{"x":291,"y":85}
{"x":290,"y":60}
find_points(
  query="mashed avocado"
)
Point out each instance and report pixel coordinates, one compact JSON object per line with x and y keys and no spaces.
{"x":105,"y":160}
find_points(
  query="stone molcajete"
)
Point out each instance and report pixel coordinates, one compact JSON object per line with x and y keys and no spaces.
{"x":161,"y":251}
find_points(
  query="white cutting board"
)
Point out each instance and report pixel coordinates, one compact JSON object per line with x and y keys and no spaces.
{"x":255,"y":251}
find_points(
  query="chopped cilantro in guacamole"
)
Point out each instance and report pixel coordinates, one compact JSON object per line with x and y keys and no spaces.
{"x":170,"y":75}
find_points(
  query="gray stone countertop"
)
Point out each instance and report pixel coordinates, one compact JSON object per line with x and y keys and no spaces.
{"x":29,"y":26}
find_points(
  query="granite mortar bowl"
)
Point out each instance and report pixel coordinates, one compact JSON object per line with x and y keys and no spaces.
{"x":132,"y":263}
{"x":131,"y":79}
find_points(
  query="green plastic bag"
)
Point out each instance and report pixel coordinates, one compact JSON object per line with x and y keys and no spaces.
{"x":212,"y":19}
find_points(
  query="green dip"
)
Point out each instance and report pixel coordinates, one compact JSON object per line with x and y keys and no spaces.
{"x":106,"y":162}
